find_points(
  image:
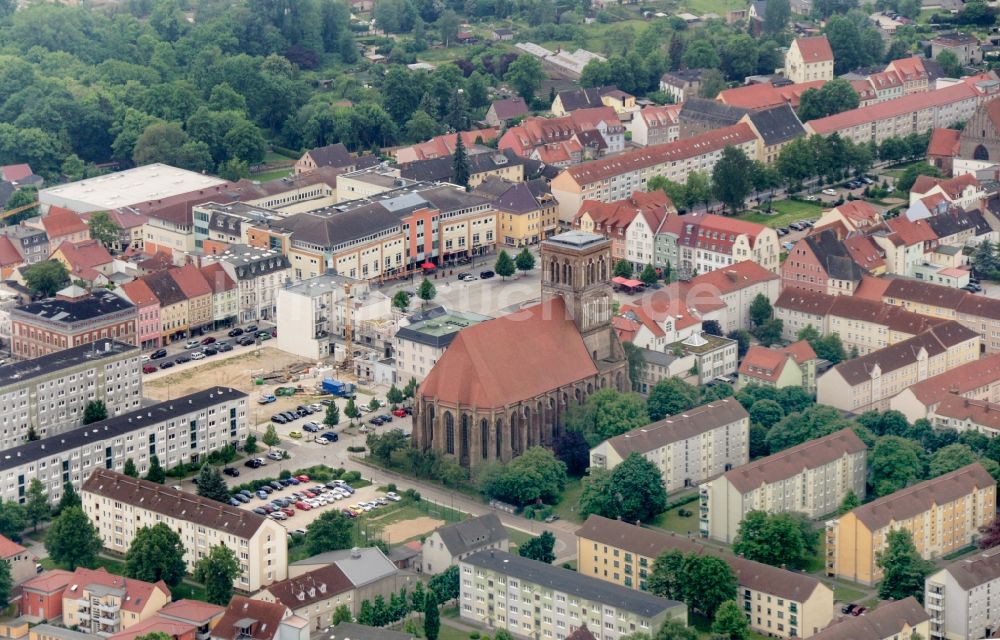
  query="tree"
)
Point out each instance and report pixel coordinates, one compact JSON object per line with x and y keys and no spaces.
{"x":332,"y":417}
{"x":834,"y":97}
{"x":648,"y":275}
{"x":731,"y":179}
{"x":954,"y":456}
{"x":766,"y":413}
{"x":742,"y":338}
{"x":633,"y":491}
{"x":572,"y":449}
{"x":401,"y":300}
{"x":211,"y":484}
{"x":774,"y":539}
{"x":410,"y":390}
{"x":525,"y":260}
{"x":70,"y":498}
{"x":156,"y":553}
{"x":989,"y":535}
{"x":504,"y":265}
{"x":914,"y":171}
{"x":903,"y":570}
{"x":665,"y":578}
{"x":536,"y":475}
{"x":104,"y":229}
{"x":46,"y":277}
{"x":671,"y":396}
{"x":444,"y":586}
{"x":130,"y":469}
{"x":426,"y":291}
{"x":22,"y":198}
{"x":760,"y":310}
{"x":329,"y":532}
{"x":72,"y":541}
{"x":374,"y":404}
{"x":432,"y":621}
{"x":525,"y":76}
{"x":894,"y":463}
{"x":776,"y":16}
{"x":674,"y":629}
{"x":815,"y":421}
{"x":539,"y":548}
{"x":271,"y":438}
{"x":394,"y":396}
{"x":605,"y":414}
{"x":95,"y":411}
{"x":36,"y":506}
{"x":217,"y":571}
{"x":250,"y":444}
{"x":6,"y":584}
{"x":730,"y":623}
{"x":343,"y":613}
{"x":421,"y":126}
{"x":849,"y":503}
{"x":712,"y":82}
{"x":351,"y":410}
{"x":156,"y":472}
{"x":460,"y":163}
{"x":622,"y":269}
{"x":707,"y":582}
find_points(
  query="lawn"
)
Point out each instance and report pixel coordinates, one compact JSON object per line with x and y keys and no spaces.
{"x":842,"y":593}
{"x":569,"y":507}
{"x":718,"y":7}
{"x":267,"y":176}
{"x":517,"y":537}
{"x":448,"y":632}
{"x":898,"y":170}
{"x":671,"y":521}
{"x":784,"y":212}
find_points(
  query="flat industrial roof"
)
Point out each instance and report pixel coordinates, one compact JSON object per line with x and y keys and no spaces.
{"x":132,"y":186}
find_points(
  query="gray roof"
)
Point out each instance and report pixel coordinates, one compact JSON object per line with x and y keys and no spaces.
{"x":65,"y":359}
{"x":977,"y":570}
{"x":701,"y":110}
{"x":572,"y":583}
{"x":361,"y":565}
{"x":887,"y":620}
{"x":679,"y":427}
{"x":6,"y":191}
{"x":252,"y":262}
{"x":682,"y":76}
{"x":351,"y":631}
{"x":336,"y":155}
{"x":333,"y":230}
{"x":576,"y":238}
{"x":573,"y":99}
{"x":165,"y":288}
{"x":469,"y":535}
{"x":659,"y":358}
{"x":100,"y":302}
{"x":833,"y":256}
{"x":777,"y":124}
{"x":52,"y":631}
{"x":512,"y":197}
{"x":115,"y":426}
{"x":438,"y":339}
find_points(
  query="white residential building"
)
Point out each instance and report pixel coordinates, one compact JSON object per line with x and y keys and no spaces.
{"x":958,"y":598}
{"x":259,"y":274}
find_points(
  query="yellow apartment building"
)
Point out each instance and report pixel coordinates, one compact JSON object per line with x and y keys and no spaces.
{"x":943,"y":514}
{"x":777,"y":602}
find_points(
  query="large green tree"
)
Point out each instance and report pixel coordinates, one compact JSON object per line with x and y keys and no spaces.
{"x":730,"y":622}
{"x":534,"y":475}
{"x":903,"y":570}
{"x":217,"y":571}
{"x":46,"y":277}
{"x":36,"y":505}
{"x":504,"y":265}
{"x":212,"y":485}
{"x":156,"y":553}
{"x":894,"y":463}
{"x":774,"y":539}
{"x":525,"y":76}
{"x":633,"y":491}
{"x":607,"y":413}
{"x":671,"y":396}
{"x":156,"y":473}
{"x":329,"y":532}
{"x":539,"y":548}
{"x":707,"y":582}
{"x":104,"y":229}
{"x":72,"y":541}
{"x":732,"y":178}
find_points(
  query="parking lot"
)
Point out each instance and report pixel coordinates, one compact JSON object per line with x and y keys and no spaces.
{"x":200,"y":348}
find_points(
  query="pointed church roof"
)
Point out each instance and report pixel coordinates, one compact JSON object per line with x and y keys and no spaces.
{"x":511,"y":358}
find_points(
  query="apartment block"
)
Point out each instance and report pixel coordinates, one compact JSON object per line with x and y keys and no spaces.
{"x":958,"y":598}
{"x":119,"y":505}
{"x":75,"y":316}
{"x":943,"y":515}
{"x":619,"y":176}
{"x":177,"y":431}
{"x":778,"y":602}
{"x":259,"y":274}
{"x":811,"y":478}
{"x":976,"y":380}
{"x":688,"y":448}
{"x":535,"y":599}
{"x":448,"y":545}
{"x":870,"y":382}
{"x":48,"y":394}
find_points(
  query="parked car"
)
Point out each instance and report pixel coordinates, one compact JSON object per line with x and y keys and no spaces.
{"x":208,"y":340}
{"x":263,"y":335}
{"x":159,"y":353}
{"x":198,"y":355}
{"x":233,"y":502}
{"x":468,"y":278}
{"x":331,"y":436}
{"x":280,"y":419}
{"x":302,"y":506}
{"x":181,"y":359}
{"x":166,"y":365}
{"x":209,"y":351}
{"x":250,"y":329}
{"x":399,"y":413}
{"x":246,"y":341}
{"x":302,"y":478}
{"x":552,"y":518}
{"x":225,"y":346}
{"x":289,"y":416}
{"x":386,"y":417}
{"x":486,"y":275}
{"x":262,"y":494}
{"x":266,"y":399}
{"x":392,"y":495}
{"x":829,"y":192}
{"x":260,"y":511}
{"x":311,"y":427}
{"x":295,"y":434}
{"x":279,"y":515}
{"x":148,"y":368}
{"x":860,"y":611}
{"x":191,"y":344}
{"x":235,"y":332}
{"x":232,"y":472}
{"x":253,"y":464}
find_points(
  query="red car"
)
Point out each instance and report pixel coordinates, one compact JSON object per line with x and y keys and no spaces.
{"x":302,"y":478}
{"x":148,"y":368}
{"x":309,"y":494}
{"x":399,"y":413}
{"x":288,"y":511}
{"x":208,"y":340}
{"x":302,"y":506}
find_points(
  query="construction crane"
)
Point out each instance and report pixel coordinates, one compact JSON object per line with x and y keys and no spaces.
{"x":14,"y":212}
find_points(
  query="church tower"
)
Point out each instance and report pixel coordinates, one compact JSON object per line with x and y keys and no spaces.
{"x":576,"y":266}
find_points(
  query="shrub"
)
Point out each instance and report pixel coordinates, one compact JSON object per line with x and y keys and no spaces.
{"x":354,"y":449}
{"x":351,"y":476}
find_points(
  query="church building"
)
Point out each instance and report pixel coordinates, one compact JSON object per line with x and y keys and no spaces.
{"x":504,"y":385}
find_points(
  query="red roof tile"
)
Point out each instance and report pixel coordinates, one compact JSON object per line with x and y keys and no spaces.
{"x":9,"y":548}
{"x":8,"y":253}
{"x":192,"y":610}
{"x":872,"y":288}
{"x":15,"y":172}
{"x":765,"y":95}
{"x":217,"y":278}
{"x":139,"y":293}
{"x":815,"y":49}
{"x":49,"y":581}
{"x":137,"y":592}
{"x":511,"y":358}
{"x":960,"y":380}
{"x":191,"y":281}
{"x":155,"y":624}
{"x":267,"y":618}
{"x":734,"y":277}
{"x":59,"y":222}
{"x":89,"y":253}
{"x":762,"y":363}
{"x":865,"y":253}
{"x":892,"y":108}
{"x":944,"y":143}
